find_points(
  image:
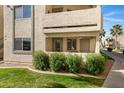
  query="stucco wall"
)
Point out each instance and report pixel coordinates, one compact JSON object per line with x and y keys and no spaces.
{"x":120,"y":40}
{"x":23,"y":27}
{"x":92,"y":44}
{"x":74,"y":18}
{"x":39,"y":35}
{"x":8,"y":39}
{"x":66,"y":7}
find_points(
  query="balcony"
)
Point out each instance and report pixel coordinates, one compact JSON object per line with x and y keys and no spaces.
{"x":87,"y":20}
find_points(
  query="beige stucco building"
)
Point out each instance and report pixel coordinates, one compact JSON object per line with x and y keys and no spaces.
{"x":1,"y":32}
{"x":119,"y":41}
{"x":64,"y":28}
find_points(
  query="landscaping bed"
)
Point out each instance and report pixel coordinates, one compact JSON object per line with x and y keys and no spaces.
{"x":104,"y":74}
{"x":108,"y":66}
{"x":94,"y":64}
{"x":24,"y":78}
{"x":55,"y":71}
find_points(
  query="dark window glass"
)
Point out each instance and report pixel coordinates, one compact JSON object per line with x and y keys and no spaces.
{"x":71,"y":44}
{"x":26,"y":11}
{"x":57,"y":44}
{"x":18,"y":44}
{"x":26,"y":44}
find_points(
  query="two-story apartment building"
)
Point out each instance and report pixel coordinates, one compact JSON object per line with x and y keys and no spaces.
{"x":1,"y":32}
{"x":50,"y":28}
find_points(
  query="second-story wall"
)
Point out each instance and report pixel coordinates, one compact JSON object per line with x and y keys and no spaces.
{"x":64,"y":8}
{"x":83,"y":20}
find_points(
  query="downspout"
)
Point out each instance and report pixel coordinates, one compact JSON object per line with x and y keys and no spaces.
{"x":33,"y":29}
{"x":13,"y":28}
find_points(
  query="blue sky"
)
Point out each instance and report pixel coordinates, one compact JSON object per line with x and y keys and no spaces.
{"x":112,"y":14}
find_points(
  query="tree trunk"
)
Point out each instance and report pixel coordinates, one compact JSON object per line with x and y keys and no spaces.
{"x":116,"y":42}
{"x":102,"y":46}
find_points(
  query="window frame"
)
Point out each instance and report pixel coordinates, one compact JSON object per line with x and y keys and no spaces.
{"x":72,"y":42}
{"x":23,"y":51}
{"x":15,"y":40}
{"x":54,"y":41}
{"x":24,"y":39}
{"x":22,"y":12}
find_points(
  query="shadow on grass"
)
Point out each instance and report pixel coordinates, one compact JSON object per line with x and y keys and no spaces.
{"x":90,"y":80}
{"x":54,"y":85}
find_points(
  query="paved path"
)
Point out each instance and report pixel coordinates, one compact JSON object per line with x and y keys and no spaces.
{"x":115,"y":79}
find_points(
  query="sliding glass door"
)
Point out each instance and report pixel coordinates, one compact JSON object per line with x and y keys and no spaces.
{"x":57,"y":44}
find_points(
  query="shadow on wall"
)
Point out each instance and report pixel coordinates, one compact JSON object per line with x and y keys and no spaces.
{"x":1,"y":49}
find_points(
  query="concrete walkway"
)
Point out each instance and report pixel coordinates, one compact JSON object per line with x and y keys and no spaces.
{"x":115,"y":78}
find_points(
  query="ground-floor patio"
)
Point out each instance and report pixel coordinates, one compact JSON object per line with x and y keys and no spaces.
{"x":71,"y":44}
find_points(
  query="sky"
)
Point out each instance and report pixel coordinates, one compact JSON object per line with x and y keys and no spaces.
{"x":112,"y":15}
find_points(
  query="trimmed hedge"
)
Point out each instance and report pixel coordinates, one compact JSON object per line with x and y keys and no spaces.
{"x":73,"y":63}
{"x":57,"y":61}
{"x":41,"y":60}
{"x":105,"y":56}
{"x":95,"y":63}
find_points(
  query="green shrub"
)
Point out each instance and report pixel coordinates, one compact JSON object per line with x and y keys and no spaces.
{"x":41,"y":60}
{"x":73,"y":63}
{"x":105,"y":56}
{"x":57,"y":61}
{"x":95,"y":63}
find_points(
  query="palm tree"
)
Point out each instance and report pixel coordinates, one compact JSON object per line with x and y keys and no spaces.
{"x":102,"y":34}
{"x":116,"y":30}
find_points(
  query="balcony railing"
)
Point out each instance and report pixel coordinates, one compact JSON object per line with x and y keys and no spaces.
{"x":87,"y":17}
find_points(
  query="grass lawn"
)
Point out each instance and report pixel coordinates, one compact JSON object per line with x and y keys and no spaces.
{"x":23,"y":78}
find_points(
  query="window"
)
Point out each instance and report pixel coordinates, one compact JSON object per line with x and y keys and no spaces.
{"x":26,"y":11}
{"x":18,"y":12}
{"x":57,"y":44}
{"x":71,"y":44}
{"x":18,"y":44}
{"x":23,"y":44}
{"x":22,"y":11}
{"x":26,"y":44}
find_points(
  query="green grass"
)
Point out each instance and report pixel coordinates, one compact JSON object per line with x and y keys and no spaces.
{"x":24,"y":78}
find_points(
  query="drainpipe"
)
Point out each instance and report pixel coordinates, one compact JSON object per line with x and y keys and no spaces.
{"x":33,"y":29}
